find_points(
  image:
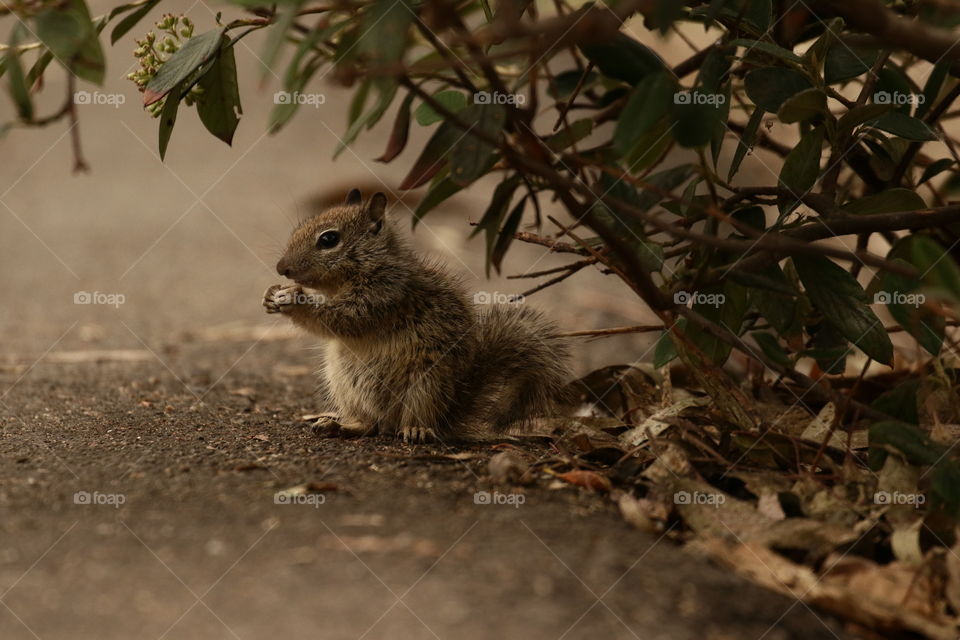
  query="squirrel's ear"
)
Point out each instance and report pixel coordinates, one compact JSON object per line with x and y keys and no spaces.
{"x":353,"y":197}
{"x":376,"y":209}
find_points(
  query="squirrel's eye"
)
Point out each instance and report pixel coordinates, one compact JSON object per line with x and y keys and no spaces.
{"x":328,"y":240}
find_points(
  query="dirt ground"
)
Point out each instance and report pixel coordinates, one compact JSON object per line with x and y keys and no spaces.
{"x":175,"y":415}
{"x":396,"y":547}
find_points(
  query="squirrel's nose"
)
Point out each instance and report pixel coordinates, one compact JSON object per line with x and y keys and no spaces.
{"x":282,"y":268}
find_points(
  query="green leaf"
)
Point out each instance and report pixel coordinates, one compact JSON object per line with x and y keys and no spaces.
{"x":904,"y":126}
{"x":490,"y":222}
{"x":946,"y":487}
{"x":506,"y":235}
{"x":15,"y":81}
{"x":384,"y":34}
{"x":770,"y":87}
{"x":665,"y":351}
{"x":437,"y":193}
{"x":130,"y":21}
{"x":829,"y":348}
{"x":452,"y":101}
{"x":844,"y":62}
{"x":858,"y":115}
{"x":935,"y":169}
{"x":745,"y":142}
{"x":400,"y":131}
{"x":623,"y":58}
{"x":806,"y":105}
{"x":843,"y":302}
{"x":434,"y":156}
{"x":277,"y":35}
{"x":563,"y":84}
{"x":772,"y":349}
{"x":768,"y":48}
{"x":470,"y":158}
{"x":916,"y":446}
{"x":168,"y":118}
{"x":774,"y":297}
{"x":900,"y":296}
{"x":724,"y":305}
{"x":219,"y":105}
{"x":649,"y":102}
{"x":194,"y":53}
{"x":568,"y":136}
{"x":801,"y":168}
{"x":696,"y":116}
{"x":386,"y":90}
{"x":931,"y":90}
{"x":651,"y":147}
{"x":900,"y":402}
{"x":68,"y":32}
{"x":938,"y":270}
{"x":889,"y":201}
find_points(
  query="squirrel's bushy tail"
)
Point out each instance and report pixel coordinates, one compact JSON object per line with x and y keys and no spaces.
{"x":521,"y":366}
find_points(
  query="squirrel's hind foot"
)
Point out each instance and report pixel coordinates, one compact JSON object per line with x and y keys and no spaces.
{"x":417,"y":435}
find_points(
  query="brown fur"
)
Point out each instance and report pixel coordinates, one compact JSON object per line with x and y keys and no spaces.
{"x":407,"y":351}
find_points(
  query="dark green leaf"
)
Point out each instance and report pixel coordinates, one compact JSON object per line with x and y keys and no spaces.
{"x":772,"y":349}
{"x":470,"y":157}
{"x":563,"y":84}
{"x":829,"y":348}
{"x":858,"y":115}
{"x":434,"y":156}
{"x":931,"y":90}
{"x":623,"y":58}
{"x":649,"y":102}
{"x":745,"y":142}
{"x":806,"y":105}
{"x":935,"y":169}
{"x":946,"y":487}
{"x":696,"y":116}
{"x":724,"y":305}
{"x":400,"y":131}
{"x":768,"y":48}
{"x":168,"y":118}
{"x":904,"y":126}
{"x":905,"y":304}
{"x":506,"y":235}
{"x":571,"y":135}
{"x":277,"y":35}
{"x":938,"y":270}
{"x":384,"y":33}
{"x":916,"y":446}
{"x":801,"y":168}
{"x":665,"y":351}
{"x":18,"y":87}
{"x":130,"y":21}
{"x":219,"y":106}
{"x":68,"y":32}
{"x":844,"y":62}
{"x":770,"y":87}
{"x":889,"y":201}
{"x":900,"y":402}
{"x":843,"y":303}
{"x":194,"y":53}
{"x":490,"y":222}
{"x":452,"y":101}
{"x":437,"y":193}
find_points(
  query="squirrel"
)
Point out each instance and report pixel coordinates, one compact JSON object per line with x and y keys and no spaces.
{"x":408,"y":353}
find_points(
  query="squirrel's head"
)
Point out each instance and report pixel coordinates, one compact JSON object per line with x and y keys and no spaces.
{"x":329,"y":248}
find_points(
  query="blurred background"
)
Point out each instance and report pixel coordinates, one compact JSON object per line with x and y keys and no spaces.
{"x":191,"y":243}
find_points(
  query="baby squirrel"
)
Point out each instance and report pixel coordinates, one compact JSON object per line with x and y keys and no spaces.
{"x":407,"y":352}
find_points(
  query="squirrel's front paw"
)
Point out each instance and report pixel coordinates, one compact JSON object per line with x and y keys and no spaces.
{"x":280,"y":298}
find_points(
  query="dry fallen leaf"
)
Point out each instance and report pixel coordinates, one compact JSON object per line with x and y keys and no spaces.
{"x":587,"y":479}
